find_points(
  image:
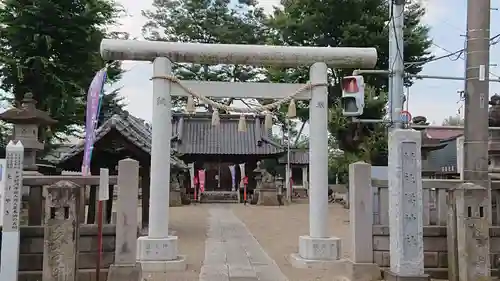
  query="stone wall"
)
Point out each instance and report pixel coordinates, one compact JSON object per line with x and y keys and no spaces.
{"x":435,"y":249}
{"x":31,"y":252}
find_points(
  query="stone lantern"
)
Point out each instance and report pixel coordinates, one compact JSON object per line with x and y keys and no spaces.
{"x":26,"y":120}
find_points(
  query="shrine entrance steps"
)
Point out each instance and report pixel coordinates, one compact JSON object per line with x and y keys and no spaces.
{"x":219,"y":197}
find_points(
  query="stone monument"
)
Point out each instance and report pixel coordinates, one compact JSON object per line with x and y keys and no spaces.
{"x":61,"y":232}
{"x":266,"y":187}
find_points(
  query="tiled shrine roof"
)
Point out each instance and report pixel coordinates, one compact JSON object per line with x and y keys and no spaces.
{"x":131,"y":128}
{"x":195,"y":134}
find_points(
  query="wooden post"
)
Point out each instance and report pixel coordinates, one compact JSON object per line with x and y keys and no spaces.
{"x":125,"y":267}
{"x":60,"y":251}
{"x":12,"y":212}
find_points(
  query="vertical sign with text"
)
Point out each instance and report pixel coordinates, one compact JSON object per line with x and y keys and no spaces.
{"x":12,"y":211}
{"x":3,"y":164}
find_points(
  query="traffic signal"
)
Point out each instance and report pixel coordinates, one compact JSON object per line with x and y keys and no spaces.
{"x":353,"y":96}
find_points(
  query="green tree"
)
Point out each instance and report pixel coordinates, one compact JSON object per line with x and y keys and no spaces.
{"x":50,"y":48}
{"x":201,"y":21}
{"x":349,"y":23}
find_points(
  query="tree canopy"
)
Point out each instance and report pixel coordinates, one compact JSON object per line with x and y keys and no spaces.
{"x":50,"y":48}
{"x":351,"y":23}
{"x":346,"y":23}
{"x":201,"y":21}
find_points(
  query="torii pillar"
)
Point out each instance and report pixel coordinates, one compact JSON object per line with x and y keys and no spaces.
{"x":158,"y":251}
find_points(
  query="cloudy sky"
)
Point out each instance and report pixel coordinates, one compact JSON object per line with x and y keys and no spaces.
{"x":435,"y":99}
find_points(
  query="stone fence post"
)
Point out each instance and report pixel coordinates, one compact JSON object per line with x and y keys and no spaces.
{"x":61,"y":231}
{"x":125,"y":267}
{"x":472,"y":233}
{"x":361,"y":266}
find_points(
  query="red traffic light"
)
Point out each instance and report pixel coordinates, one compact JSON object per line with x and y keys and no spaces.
{"x":350,"y":84}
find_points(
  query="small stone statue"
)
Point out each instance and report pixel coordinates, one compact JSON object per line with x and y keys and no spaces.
{"x":174,"y":183}
{"x":266,"y":193}
{"x":264,"y":177}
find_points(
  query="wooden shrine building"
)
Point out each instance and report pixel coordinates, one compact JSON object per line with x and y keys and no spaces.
{"x":216,"y":148}
{"x":121,"y":136}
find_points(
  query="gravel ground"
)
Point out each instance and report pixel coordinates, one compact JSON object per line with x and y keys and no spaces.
{"x":278,"y":229}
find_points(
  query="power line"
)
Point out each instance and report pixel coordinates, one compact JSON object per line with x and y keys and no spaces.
{"x":493,"y":41}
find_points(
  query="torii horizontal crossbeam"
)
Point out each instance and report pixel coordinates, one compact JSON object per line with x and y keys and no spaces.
{"x":258,"y":55}
{"x":249,"y":90}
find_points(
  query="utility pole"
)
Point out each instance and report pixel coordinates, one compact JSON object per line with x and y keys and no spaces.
{"x":477,"y":92}
{"x":396,"y":61}
{"x":470,"y":260}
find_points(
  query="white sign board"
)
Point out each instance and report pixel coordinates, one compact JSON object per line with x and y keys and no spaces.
{"x":3,"y":164}
{"x":12,"y":211}
{"x":104,"y":185}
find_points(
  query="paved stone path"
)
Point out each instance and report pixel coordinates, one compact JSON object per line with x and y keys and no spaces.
{"x":233,"y":254}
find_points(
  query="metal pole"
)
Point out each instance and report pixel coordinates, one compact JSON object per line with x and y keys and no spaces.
{"x":396,"y":61}
{"x":476,"y":92}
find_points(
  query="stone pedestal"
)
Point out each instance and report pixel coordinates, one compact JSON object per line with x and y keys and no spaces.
{"x":362,"y":271}
{"x":391,"y":276}
{"x":175,"y":198}
{"x":124,"y":272}
{"x":318,"y":253}
{"x":268,"y":197}
{"x":158,"y":256}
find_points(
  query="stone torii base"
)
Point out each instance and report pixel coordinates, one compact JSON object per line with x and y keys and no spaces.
{"x":158,"y":251}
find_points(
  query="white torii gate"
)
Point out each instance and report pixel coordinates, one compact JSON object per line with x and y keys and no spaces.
{"x":159,"y":248}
